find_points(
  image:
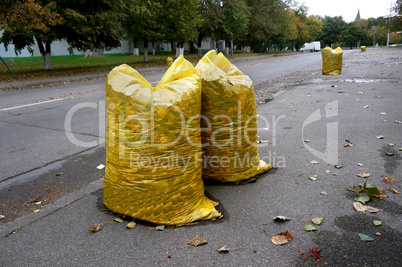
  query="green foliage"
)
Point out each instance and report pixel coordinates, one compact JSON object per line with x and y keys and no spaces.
{"x":367,"y":189}
{"x":332,"y":29}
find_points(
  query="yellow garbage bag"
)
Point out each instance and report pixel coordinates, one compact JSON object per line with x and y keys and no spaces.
{"x":363,"y":48}
{"x":153,"y":146}
{"x":331,"y":61}
{"x":228,"y":122}
{"x":169,"y":62}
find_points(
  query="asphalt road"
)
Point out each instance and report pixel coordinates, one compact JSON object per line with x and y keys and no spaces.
{"x":40,"y":164}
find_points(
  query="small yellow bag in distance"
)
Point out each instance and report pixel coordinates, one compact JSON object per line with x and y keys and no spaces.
{"x":153,"y":146}
{"x":229,"y":121}
{"x":332,"y":61}
{"x":363,"y":48}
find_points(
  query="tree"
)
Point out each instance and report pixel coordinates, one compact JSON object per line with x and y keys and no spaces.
{"x":141,"y":21}
{"x":83,"y":23}
{"x":180,"y":20}
{"x":27,"y":21}
{"x":235,"y":22}
{"x":268,"y":23}
{"x":211,"y":16}
{"x":90,"y":25}
{"x":332,"y":28}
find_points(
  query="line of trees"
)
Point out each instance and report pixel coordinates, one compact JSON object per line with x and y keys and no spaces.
{"x":89,"y":25}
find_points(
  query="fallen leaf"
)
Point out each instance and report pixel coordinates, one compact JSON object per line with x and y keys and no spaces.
{"x":365,"y":238}
{"x":398,"y":121}
{"x":214,"y":203}
{"x":366,"y":106}
{"x":327,"y":171}
{"x":223,"y":249}
{"x":100,"y":167}
{"x":378,"y":234}
{"x":383,"y":113}
{"x":338,"y":166}
{"x":360,"y":164}
{"x":359,"y":206}
{"x":335,"y":173}
{"x":379,"y":196}
{"x":314,"y":177}
{"x":160,"y":227}
{"x":314,"y":162}
{"x":372,"y":209}
{"x":389,"y":153}
{"x":306,"y":141}
{"x":393,"y":180}
{"x":363,"y":175}
{"x":10,"y":151}
{"x":362,"y":199}
{"x":377,"y":223}
{"x":394,"y":191}
{"x":324,"y":193}
{"x":309,"y":227}
{"x":281,"y":218}
{"x":279,"y":239}
{"x":2,"y":217}
{"x":380,"y":137}
{"x":391,"y":144}
{"x":95,"y":228}
{"x":314,"y":252}
{"x":318,"y":221}
{"x":197,"y":241}
{"x":37,"y":210}
{"x":239,"y":191}
{"x":119,"y":220}
{"x":131,"y":225}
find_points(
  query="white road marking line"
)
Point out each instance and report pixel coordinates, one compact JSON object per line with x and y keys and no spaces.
{"x":33,"y":104}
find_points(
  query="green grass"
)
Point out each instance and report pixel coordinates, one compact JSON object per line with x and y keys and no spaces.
{"x":25,"y":68}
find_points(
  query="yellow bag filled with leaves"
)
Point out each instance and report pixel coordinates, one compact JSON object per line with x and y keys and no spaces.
{"x":363,"y":48}
{"x":332,"y":61}
{"x":153,"y":146}
{"x":228,"y":122}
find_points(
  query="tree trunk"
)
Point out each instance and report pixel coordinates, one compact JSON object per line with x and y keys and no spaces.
{"x":153,"y":48}
{"x":173,"y":46}
{"x":145,"y":50}
{"x":199,"y":44}
{"x":45,"y":51}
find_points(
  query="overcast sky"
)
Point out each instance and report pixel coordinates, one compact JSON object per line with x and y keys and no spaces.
{"x":348,"y":8}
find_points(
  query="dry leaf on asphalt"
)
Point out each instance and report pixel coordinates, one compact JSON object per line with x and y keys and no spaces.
{"x":394,"y":191}
{"x":2,"y":217}
{"x":119,"y":220}
{"x":314,"y":162}
{"x":131,"y":225}
{"x":363,"y":175}
{"x":324,"y":193}
{"x":223,"y":249}
{"x":281,"y":218}
{"x":100,"y":167}
{"x":197,"y":241}
{"x":318,"y":221}
{"x":95,"y":228}
{"x":338,"y":166}
{"x":214,"y":203}
{"x":282,"y":238}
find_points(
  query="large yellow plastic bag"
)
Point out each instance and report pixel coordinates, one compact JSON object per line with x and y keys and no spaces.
{"x":229,"y":121}
{"x":331,"y":61}
{"x":153,"y":146}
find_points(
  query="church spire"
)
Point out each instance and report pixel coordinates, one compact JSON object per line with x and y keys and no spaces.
{"x":358,"y":14}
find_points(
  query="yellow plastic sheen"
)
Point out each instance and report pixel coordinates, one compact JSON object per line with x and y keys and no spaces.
{"x":229,"y":121}
{"x":153,"y":146}
{"x":363,"y":48}
{"x":331,"y":61}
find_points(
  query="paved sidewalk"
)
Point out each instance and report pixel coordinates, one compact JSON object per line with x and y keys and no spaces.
{"x":358,"y":105}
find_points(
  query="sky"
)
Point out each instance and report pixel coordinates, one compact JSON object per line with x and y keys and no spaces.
{"x":348,"y":8}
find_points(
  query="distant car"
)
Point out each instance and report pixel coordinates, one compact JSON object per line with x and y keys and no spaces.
{"x":313,"y":46}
